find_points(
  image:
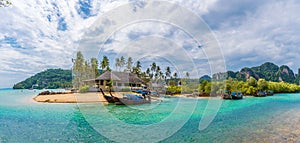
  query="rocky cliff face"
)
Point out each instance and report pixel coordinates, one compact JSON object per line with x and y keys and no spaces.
{"x":286,"y":74}
{"x":268,"y":71}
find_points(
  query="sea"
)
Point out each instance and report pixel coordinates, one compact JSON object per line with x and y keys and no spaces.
{"x":167,"y":119}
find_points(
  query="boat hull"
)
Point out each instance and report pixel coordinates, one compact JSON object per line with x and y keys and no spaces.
{"x":111,"y":99}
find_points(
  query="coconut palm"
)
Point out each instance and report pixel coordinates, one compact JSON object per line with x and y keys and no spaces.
{"x":117,"y":63}
{"x":122,"y":62}
{"x":105,"y":64}
{"x":129,"y":64}
{"x":94,"y":64}
{"x":168,"y":72}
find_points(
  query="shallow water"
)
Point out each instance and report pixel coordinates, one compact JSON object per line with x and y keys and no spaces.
{"x":270,"y":119}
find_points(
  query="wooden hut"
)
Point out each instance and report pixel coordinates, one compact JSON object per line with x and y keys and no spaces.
{"x":118,"y":80}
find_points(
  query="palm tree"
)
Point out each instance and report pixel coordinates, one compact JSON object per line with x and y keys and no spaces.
{"x":153,"y":68}
{"x":122,"y":62}
{"x":137,"y":69}
{"x":117,"y":64}
{"x":78,"y":69}
{"x":157,"y":72}
{"x":161,"y":75}
{"x":129,"y":64}
{"x":175,"y":75}
{"x":148,"y":72}
{"x":168,"y":72}
{"x":105,"y":64}
{"x":87,"y":70}
{"x":94,"y":64}
{"x":187,"y":74}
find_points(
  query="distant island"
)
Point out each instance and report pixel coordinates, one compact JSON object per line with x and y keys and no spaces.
{"x":49,"y":79}
{"x":268,"y":71}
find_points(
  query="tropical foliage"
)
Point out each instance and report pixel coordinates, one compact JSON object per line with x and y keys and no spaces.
{"x":249,"y":87}
{"x":84,"y":69}
{"x":248,"y":80}
{"x":5,"y":3}
{"x":83,"y":89}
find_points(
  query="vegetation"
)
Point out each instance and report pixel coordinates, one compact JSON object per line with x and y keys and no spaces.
{"x":83,"y":89}
{"x":84,"y":69}
{"x":105,"y":64}
{"x":50,"y":79}
{"x":5,"y":3}
{"x":248,"y":80}
{"x":268,"y":71}
{"x":249,"y":87}
{"x":174,"y":89}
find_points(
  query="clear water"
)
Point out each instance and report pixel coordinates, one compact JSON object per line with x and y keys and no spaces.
{"x":269,"y":119}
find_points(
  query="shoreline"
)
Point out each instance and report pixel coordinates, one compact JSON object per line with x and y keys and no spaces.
{"x":91,"y":97}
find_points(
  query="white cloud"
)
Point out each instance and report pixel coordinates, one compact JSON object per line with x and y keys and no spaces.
{"x":250,"y":32}
{"x":271,"y":33}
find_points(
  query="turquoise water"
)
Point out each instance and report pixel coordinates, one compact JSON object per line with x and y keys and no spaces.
{"x":269,"y":119}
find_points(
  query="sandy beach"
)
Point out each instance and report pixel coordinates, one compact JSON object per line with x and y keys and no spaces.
{"x":89,"y":97}
{"x":71,"y":98}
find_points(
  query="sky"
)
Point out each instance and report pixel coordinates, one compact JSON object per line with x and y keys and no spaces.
{"x":39,"y":34}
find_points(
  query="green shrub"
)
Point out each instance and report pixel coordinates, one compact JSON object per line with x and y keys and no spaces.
{"x":83,"y":89}
{"x":174,"y":89}
{"x":126,"y":89}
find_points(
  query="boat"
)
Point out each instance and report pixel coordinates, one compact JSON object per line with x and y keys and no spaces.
{"x":128,"y":99}
{"x":109,"y":98}
{"x":260,"y":94}
{"x":133,"y":99}
{"x":270,"y":93}
{"x":233,"y":96}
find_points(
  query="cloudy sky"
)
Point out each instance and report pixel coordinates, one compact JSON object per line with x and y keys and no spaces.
{"x":40,"y":34}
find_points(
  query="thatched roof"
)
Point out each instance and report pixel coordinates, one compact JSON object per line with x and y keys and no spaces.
{"x":120,"y":76}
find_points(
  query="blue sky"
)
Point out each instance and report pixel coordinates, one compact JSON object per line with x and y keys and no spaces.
{"x":40,"y":34}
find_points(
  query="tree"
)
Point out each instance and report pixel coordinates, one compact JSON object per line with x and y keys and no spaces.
{"x":153,"y":68}
{"x":252,"y":82}
{"x":105,"y":64}
{"x":187,"y":74}
{"x":161,"y":75}
{"x":251,"y":90}
{"x":148,"y":72}
{"x":202,"y":86}
{"x":78,"y":69}
{"x":157,"y":72}
{"x":262,"y":84}
{"x":168,"y":72}
{"x":94,"y":63}
{"x":129,"y":64}
{"x":117,"y":64}
{"x":87,"y":71}
{"x":122,"y":62}
{"x":5,"y":3}
{"x":175,"y":75}
{"x":137,"y":69}
{"x":207,"y":88}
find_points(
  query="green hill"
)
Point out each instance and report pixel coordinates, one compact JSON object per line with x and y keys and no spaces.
{"x":268,"y":71}
{"x":49,"y":79}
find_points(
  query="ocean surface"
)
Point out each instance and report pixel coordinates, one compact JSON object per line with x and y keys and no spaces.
{"x":265,"y":119}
